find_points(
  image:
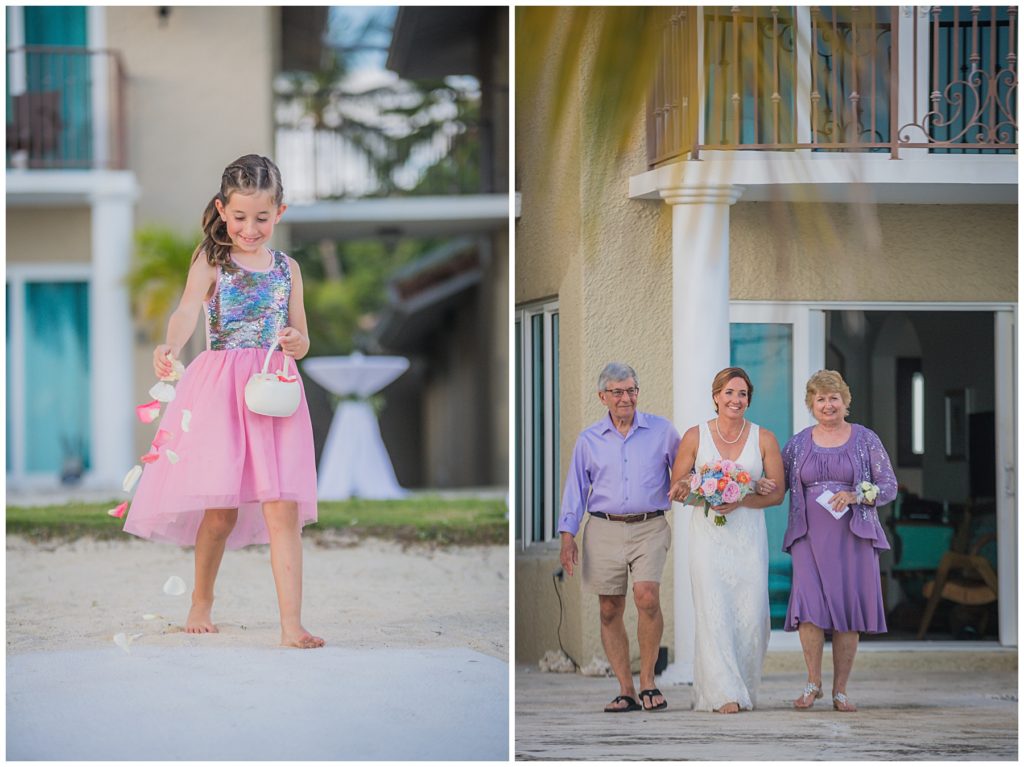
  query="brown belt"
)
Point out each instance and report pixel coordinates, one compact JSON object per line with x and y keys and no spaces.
{"x":628,"y":517}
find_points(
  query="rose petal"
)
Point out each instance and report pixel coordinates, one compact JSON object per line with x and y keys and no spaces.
{"x":131,"y":478}
{"x":175,"y":586}
{"x":172,"y":456}
{"x":186,"y":419}
{"x":151,"y":617}
{"x":149,"y":412}
{"x":149,"y":457}
{"x":162,"y":437}
{"x":122,"y":641}
{"x":119,"y":510}
{"x":162,"y":391}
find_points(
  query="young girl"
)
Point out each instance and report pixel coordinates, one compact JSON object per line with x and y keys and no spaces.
{"x":225,"y":476}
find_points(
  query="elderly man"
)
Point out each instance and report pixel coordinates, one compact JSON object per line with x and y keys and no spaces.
{"x":620,"y":474}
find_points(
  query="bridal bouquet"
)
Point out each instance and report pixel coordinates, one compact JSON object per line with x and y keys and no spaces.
{"x":718,"y":483}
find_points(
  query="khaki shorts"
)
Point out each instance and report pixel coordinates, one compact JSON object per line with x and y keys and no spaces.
{"x":612,"y":550}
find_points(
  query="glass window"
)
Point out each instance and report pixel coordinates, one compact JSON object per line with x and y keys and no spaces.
{"x":765,"y":351}
{"x":537,"y":470}
{"x":741,"y":108}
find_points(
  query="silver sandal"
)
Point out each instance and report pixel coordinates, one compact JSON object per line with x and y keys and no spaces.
{"x":810,"y":689}
{"x":841,"y":703}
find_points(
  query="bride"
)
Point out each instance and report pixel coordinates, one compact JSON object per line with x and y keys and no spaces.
{"x":729,"y":563}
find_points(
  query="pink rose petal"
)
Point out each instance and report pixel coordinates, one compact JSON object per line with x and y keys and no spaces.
{"x":149,"y":412}
{"x":119,"y":510}
{"x":162,"y":438}
{"x":172,"y":456}
{"x":149,"y":457}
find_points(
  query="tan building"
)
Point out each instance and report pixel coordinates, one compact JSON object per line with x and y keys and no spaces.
{"x":799,"y":211}
{"x":120,"y":117}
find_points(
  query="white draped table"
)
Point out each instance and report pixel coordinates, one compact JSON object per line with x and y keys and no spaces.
{"x":355,"y":462}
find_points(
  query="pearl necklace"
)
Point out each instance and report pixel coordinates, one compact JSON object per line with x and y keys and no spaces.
{"x":744,"y":426}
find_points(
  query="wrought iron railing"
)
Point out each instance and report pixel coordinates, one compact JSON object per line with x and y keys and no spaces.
{"x":835,"y":79}
{"x":65,"y":108}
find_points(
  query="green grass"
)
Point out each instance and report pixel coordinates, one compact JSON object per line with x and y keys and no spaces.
{"x":422,"y":519}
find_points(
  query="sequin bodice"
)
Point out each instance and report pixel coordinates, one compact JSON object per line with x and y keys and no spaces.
{"x":248,"y":308}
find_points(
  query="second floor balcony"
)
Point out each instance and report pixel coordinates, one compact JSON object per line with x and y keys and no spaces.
{"x":65,"y":109}
{"x":902,"y":80}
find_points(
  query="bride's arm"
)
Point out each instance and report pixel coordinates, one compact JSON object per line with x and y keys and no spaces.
{"x":771,"y":458}
{"x":683,"y":464}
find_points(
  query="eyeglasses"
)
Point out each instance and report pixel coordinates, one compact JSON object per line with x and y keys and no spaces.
{"x":617,"y":393}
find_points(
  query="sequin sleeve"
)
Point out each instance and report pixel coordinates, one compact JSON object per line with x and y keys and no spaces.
{"x":880,"y":469}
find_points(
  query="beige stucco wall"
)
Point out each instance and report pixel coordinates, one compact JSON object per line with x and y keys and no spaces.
{"x":198,"y":96}
{"x":875,"y":253}
{"x":33,"y":236}
{"x":608,"y":261}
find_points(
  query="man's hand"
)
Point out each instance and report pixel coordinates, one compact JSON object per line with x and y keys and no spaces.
{"x":570,"y":554}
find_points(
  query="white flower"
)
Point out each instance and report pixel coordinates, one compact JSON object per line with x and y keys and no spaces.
{"x":177,"y":370}
{"x":186,"y":419}
{"x":171,"y":455}
{"x":162,"y":391}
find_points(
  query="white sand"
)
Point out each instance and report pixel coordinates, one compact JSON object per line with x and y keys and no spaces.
{"x":357,"y":595}
{"x":416,"y":665}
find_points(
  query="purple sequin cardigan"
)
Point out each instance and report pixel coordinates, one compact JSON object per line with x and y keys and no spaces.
{"x":872,"y":464}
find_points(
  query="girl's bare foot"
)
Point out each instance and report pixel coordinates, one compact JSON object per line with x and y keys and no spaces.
{"x":301,"y":639}
{"x":199,"y":620}
{"x":729,"y":708}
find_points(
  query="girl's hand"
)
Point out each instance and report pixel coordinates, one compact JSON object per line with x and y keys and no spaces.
{"x":765,"y":486}
{"x":293,"y":343}
{"x":162,"y":361}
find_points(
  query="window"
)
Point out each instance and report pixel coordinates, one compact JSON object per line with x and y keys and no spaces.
{"x":537,"y":475}
{"x":909,"y":412}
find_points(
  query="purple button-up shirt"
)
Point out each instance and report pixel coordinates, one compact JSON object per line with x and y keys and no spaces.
{"x":619,"y":475}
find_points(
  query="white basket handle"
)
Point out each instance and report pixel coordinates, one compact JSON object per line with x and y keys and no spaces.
{"x":270,"y":351}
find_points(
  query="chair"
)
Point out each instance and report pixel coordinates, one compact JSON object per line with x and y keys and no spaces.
{"x":37,"y":124}
{"x":964,"y":578}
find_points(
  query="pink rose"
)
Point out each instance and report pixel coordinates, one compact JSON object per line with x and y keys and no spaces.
{"x":731,"y":493}
{"x":728,"y":466}
{"x":709,"y":486}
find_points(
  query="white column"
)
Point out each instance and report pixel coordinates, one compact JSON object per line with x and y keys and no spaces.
{"x":111,"y":341}
{"x":700,"y":348}
{"x":913,"y":20}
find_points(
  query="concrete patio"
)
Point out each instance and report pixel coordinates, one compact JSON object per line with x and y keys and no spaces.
{"x":949,"y":701}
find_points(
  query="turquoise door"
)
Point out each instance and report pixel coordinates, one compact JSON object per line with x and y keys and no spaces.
{"x":65,"y":74}
{"x":765,"y":351}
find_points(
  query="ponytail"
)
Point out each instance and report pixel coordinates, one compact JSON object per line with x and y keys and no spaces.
{"x":248,"y":174}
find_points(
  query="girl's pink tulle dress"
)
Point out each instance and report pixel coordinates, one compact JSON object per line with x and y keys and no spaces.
{"x":229,"y":457}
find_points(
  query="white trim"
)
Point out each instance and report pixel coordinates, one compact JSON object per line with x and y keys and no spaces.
{"x":1007,"y":481}
{"x":524,"y":315}
{"x":890,"y":306}
{"x":49,"y":272}
{"x":27,"y":188}
{"x":99,"y":75}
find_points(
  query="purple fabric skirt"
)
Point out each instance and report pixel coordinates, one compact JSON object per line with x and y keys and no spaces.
{"x":836,"y":583}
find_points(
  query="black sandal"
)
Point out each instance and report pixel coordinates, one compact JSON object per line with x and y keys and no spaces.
{"x":650,"y":694}
{"x":633,"y":705}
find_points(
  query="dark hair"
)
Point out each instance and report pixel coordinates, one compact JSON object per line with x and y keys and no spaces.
{"x":724,"y":376}
{"x":249,"y":174}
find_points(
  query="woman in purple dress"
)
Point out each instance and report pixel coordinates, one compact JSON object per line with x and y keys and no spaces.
{"x":838,"y":474}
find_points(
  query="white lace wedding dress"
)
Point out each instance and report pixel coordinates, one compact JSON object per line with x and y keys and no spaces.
{"x":729,"y":573}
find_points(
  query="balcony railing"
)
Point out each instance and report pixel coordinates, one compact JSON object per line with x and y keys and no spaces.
{"x":65,"y":109}
{"x":867,"y":79}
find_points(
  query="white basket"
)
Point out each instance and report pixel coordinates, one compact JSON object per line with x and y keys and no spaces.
{"x":272,"y":393}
